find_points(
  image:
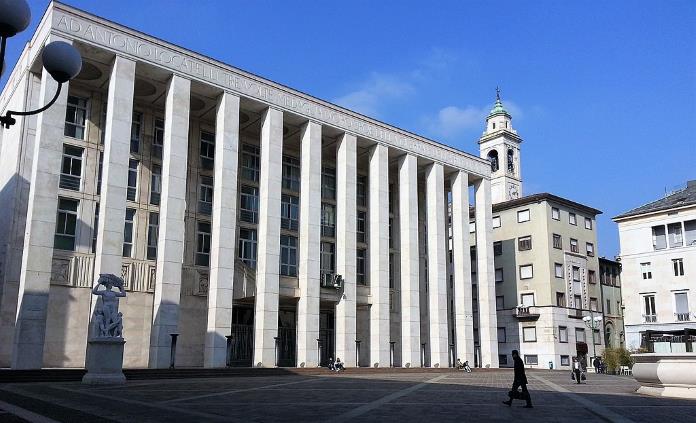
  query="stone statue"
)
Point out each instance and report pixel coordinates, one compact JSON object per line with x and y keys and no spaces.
{"x":108,"y":321}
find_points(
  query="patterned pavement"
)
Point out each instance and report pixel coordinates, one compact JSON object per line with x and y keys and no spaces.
{"x":385,"y":396}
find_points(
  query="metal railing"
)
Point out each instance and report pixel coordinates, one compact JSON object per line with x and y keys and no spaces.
{"x":682,"y":317}
{"x":650,"y":318}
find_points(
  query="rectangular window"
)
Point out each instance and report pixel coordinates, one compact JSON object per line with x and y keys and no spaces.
{"x":75,"y":117}
{"x":203,"y":244}
{"x":391,"y":271}
{"x":572,"y":219}
{"x":576,"y":273}
{"x":99,"y":172}
{"x":158,"y":139}
{"x":136,"y":131}
{"x":498,"y":248}
{"x":557,"y":241}
{"x":649,"y":303}
{"x":523,"y":216}
{"x":66,"y":224}
{"x":361,"y":266}
{"x":291,"y":173}
{"x":678,"y":265}
{"x":593,"y":304}
{"x":588,"y":223}
{"x":527,"y":300}
{"x":574,"y":245}
{"x":565,"y":360}
{"x":591,"y":276}
{"x":152,"y":235}
{"x":498,"y":275}
{"x":502,"y":335}
{"x":496,"y":222}
{"x":577,"y":301}
{"x":590,"y":249}
{"x":681,"y":306}
{"x":674,"y":232}
{"x":659,"y":237}
{"x":156,"y":184}
{"x":328,"y":220}
{"x":597,"y":337}
{"x":289,"y":212}
{"x":560,"y":299}
{"x":361,"y":227}
{"x":690,"y":232}
{"x":328,"y":183}
{"x":502,"y":359}
{"x":249,"y":204}
{"x":529,"y":334}
{"x":250,"y":162}
{"x":562,"y":334}
{"x":526,"y":271}
{"x":472,"y":227}
{"x":207,"y":150}
{"x":558,"y":270}
{"x":71,"y":168}
{"x":128,"y":233}
{"x":247,"y":246}
{"x":132,"y":191}
{"x":205,"y":195}
{"x":328,"y":258}
{"x":288,"y":255}
{"x":361,"y":191}
{"x":608,"y":307}
{"x":645,"y":270}
{"x":524,"y":243}
{"x":531,"y":360}
{"x":102,"y":124}
{"x":499,"y":302}
{"x":580,"y":335}
{"x":555,"y":213}
{"x":95,"y":228}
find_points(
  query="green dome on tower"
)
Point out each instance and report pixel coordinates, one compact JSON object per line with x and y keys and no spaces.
{"x":498,"y":108}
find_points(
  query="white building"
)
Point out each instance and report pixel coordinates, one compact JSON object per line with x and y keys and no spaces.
{"x":658,"y":260}
{"x":224,"y":199}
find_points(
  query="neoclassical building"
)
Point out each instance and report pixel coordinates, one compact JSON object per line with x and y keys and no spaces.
{"x":263,"y":226}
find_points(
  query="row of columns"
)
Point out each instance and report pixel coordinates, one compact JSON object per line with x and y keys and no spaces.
{"x":36,"y":266}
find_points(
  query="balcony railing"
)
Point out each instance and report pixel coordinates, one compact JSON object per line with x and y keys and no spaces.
{"x":650,"y":318}
{"x":526,"y":312}
{"x":575,"y":313}
{"x":682,"y":317}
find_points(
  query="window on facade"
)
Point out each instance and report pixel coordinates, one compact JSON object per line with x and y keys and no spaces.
{"x":361,"y":191}
{"x":498,"y":248}
{"x":472,"y":227}
{"x":591,"y":276}
{"x":558,"y":270}
{"x":205,"y":195}
{"x":99,"y":172}
{"x":524,"y":243}
{"x":251,"y":161}
{"x":288,"y":255}
{"x":593,"y":304}
{"x":572,"y":219}
{"x":607,"y":310}
{"x":249,"y":204}
{"x":574,"y":245}
{"x":499,"y":302}
{"x":678,"y":266}
{"x":690,"y":232}
{"x":328,"y":220}
{"x":66,"y":224}
{"x":649,"y":307}
{"x":152,"y":235}
{"x":128,"y":233}
{"x":361,"y":227}
{"x":502,"y":335}
{"x":523,"y":216}
{"x":645,"y":270}
{"x":580,"y":335}
{"x":207,"y":150}
{"x":577,"y":298}
{"x":597,"y":337}
{"x":531,"y":359}
{"x":529,"y":334}
{"x":71,"y":168}
{"x":328,"y":258}
{"x":391,"y":232}
{"x":659,"y":237}
{"x":681,"y":306}
{"x":526,"y":271}
{"x":555,"y":213}
{"x":588,"y":223}
{"x":102,"y":124}
{"x":361,"y":266}
{"x":527,"y":299}
{"x":576,"y":273}
{"x":75,"y":117}
{"x":562,"y":334}
{"x":131,"y":193}
{"x":496,"y":222}
{"x":502,"y":359}
{"x":560,"y":299}
{"x":289,"y":212}
{"x":291,"y":173}
{"x":95,"y":228}
{"x":202,"y":243}
{"x":391,"y":198}
{"x":557,"y":241}
{"x":565,"y":360}
{"x":590,"y":249}
{"x":498,"y":275}
{"x":247,"y":246}
{"x":136,"y":131}
{"x":328,"y":183}
{"x":156,"y":184}
{"x":674,"y":232}
{"x":392,"y":273}
{"x":158,"y":139}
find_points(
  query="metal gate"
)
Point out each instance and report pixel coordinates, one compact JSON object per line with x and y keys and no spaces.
{"x":327,"y":338}
{"x":286,"y":347}
{"x":242,"y":345}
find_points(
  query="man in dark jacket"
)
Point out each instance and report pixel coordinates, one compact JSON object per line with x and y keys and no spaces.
{"x":520,"y":381}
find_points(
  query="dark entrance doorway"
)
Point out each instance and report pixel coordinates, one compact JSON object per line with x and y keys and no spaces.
{"x":242,"y":350}
{"x":326,"y":337}
{"x":287,"y":342}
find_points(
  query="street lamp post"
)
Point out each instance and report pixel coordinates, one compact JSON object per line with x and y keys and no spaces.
{"x":60,"y":59}
{"x":593,"y":322}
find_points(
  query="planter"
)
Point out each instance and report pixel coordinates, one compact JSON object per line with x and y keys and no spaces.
{"x":666,"y":374}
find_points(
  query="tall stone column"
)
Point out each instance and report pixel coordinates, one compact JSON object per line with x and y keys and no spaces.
{"x":170,"y":246}
{"x":346,"y":215}
{"x":222,"y":242}
{"x":268,"y":261}
{"x":310,"y":237}
{"x":112,"y":203}
{"x":42,"y":206}
{"x":488,"y":327}
{"x":379,"y":256}
{"x":463,"y":311}
{"x":437,"y":265}
{"x":410,"y":271}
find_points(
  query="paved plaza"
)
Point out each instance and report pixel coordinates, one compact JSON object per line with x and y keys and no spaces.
{"x":385,"y":396}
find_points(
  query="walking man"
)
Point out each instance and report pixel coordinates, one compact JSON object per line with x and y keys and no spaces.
{"x":520,"y":381}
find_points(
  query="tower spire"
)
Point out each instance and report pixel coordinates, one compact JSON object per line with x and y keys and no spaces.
{"x":497,"y":93}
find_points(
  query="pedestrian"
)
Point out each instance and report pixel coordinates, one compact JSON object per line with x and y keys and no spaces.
{"x":575,"y":371}
{"x":338,"y":365}
{"x":460,"y":365}
{"x":597,"y":364}
{"x":519,"y":381}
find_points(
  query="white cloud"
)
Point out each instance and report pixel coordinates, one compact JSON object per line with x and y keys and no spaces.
{"x":453,"y":120}
{"x":378,"y":89}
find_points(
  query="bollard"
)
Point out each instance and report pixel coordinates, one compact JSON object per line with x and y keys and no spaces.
{"x":228,"y":358}
{"x":172,"y":351}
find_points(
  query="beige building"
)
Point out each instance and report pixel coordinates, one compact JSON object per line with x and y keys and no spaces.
{"x":610,"y":279}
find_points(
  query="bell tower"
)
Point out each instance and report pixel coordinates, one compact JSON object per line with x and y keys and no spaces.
{"x":500,"y":144}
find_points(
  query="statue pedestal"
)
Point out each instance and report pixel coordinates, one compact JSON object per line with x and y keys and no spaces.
{"x":104,"y":362}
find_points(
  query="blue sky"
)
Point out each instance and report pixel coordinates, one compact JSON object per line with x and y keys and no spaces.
{"x":604,"y":94}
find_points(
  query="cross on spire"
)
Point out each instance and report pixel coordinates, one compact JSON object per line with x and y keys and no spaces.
{"x":497,"y":93}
